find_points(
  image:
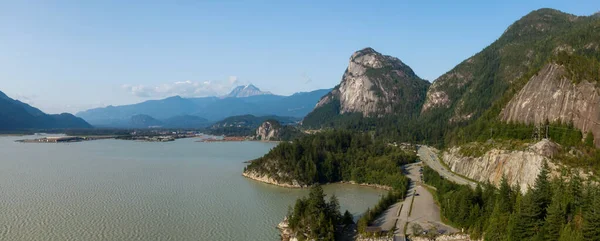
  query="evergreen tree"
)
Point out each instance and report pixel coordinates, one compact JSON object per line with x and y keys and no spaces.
{"x":570,"y":234}
{"x":512,"y":222}
{"x":313,"y":218}
{"x":527,"y":224}
{"x":542,"y":191}
{"x":334,"y":208}
{"x":591,"y":225}
{"x":504,"y":200}
{"x":576,"y":191}
{"x":347,"y":218}
{"x":555,"y":218}
{"x":589,"y":139}
{"x":497,"y":225}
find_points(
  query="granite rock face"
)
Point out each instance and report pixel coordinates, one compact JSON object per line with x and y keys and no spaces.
{"x":550,"y":95}
{"x":375,"y":85}
{"x":268,"y":131}
{"x":518,"y":166}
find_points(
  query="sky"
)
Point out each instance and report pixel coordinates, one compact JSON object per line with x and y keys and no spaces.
{"x":68,"y":56}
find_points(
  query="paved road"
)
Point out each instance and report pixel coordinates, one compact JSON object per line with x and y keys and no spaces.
{"x":431,"y":159}
{"x":424,"y":210}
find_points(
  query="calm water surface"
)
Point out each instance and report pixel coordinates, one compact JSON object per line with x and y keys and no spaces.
{"x":126,"y":190}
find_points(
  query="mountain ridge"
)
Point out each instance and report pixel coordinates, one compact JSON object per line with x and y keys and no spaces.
{"x":212,"y":108}
{"x":16,"y":115}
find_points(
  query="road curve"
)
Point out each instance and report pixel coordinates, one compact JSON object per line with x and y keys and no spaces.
{"x":431,"y":159}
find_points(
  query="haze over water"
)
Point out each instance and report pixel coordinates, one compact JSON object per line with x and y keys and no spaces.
{"x":126,"y":190}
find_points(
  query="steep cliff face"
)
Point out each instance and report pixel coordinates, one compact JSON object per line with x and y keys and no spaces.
{"x":550,"y":95}
{"x":518,"y":166}
{"x":268,"y":131}
{"x":375,"y":85}
{"x":469,"y":89}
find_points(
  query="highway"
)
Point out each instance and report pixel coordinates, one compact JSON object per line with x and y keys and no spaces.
{"x":425,"y":211}
{"x":431,"y":159}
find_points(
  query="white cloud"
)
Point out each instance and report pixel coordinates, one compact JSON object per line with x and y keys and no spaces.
{"x":186,"y":88}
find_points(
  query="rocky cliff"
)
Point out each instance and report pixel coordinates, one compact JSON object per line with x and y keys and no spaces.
{"x":375,"y":85}
{"x":268,"y":131}
{"x":473,"y":86}
{"x":550,"y":95}
{"x":519,"y":165}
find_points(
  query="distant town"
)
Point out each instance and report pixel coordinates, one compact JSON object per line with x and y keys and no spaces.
{"x":146,"y":136}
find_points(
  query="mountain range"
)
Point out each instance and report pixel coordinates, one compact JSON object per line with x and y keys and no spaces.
{"x":543,"y":69}
{"x":16,"y":115}
{"x":242,"y":100}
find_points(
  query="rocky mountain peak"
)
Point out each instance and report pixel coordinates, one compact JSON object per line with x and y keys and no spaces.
{"x":367,"y":58}
{"x":246,"y":91}
{"x":374,"y":85}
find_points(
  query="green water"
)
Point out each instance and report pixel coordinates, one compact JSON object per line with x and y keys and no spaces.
{"x":126,"y":190}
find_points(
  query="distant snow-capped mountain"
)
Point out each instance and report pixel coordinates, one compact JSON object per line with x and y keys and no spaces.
{"x":246,"y":91}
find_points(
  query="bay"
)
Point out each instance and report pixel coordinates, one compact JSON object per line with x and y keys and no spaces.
{"x":127,"y":190}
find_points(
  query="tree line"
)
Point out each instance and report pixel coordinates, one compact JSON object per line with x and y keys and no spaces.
{"x":334,"y":156}
{"x":314,"y":218}
{"x":565,"y":209}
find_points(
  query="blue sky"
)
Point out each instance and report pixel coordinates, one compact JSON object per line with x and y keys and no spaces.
{"x":67,"y":56}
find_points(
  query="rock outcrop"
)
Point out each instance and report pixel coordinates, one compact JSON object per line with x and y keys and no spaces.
{"x":550,"y":95}
{"x":286,"y":232}
{"x":375,"y":85}
{"x":446,"y":237}
{"x":518,"y":166}
{"x":266,"y":178}
{"x":268,"y":131}
{"x":468,"y":90}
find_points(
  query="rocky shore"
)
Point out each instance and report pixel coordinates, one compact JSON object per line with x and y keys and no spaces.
{"x":369,"y":185}
{"x":448,"y":237}
{"x":267,"y":179}
{"x":286,"y":232}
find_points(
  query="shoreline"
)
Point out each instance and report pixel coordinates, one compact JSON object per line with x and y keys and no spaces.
{"x":268,"y":180}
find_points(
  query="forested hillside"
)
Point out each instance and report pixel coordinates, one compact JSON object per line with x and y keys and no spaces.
{"x":18,"y":116}
{"x":335,"y":156}
{"x":475,"y":91}
{"x":553,"y":209}
{"x":465,"y":104}
{"x":245,"y":125}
